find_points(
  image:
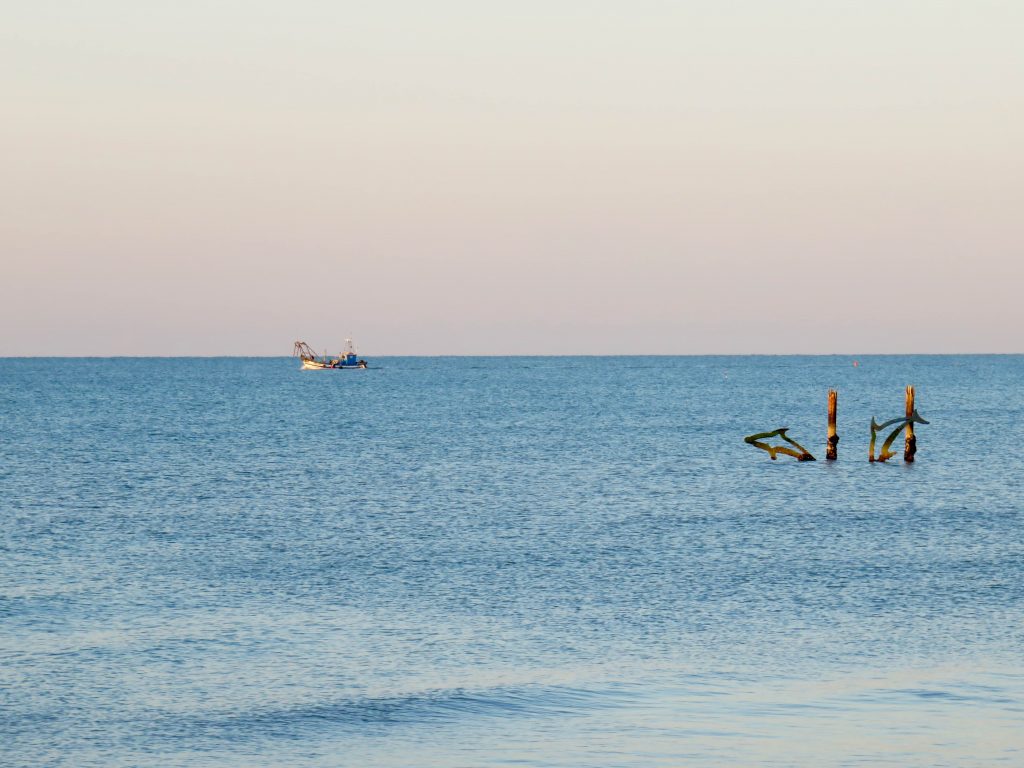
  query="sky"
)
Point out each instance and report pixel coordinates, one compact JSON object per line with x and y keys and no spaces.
{"x":469,"y":177}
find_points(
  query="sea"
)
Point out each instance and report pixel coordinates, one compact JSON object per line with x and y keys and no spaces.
{"x":508,"y":561}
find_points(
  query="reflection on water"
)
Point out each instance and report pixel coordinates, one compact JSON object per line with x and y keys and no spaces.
{"x":227,"y":562}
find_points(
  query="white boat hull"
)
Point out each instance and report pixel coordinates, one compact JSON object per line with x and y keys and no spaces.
{"x":316,"y":365}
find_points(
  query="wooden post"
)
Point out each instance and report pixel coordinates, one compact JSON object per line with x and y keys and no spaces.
{"x":910,"y":444}
{"x":831,"y":449}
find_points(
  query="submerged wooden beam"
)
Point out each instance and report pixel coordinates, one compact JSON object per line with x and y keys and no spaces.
{"x":910,"y":443}
{"x":832,"y":446}
{"x":800,"y":454}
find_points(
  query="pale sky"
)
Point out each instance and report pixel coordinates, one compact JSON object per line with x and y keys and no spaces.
{"x":212,"y":177}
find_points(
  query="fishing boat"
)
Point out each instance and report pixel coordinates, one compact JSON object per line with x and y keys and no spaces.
{"x":313,"y":362}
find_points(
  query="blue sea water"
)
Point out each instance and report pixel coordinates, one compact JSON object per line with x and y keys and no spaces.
{"x":548,"y":561}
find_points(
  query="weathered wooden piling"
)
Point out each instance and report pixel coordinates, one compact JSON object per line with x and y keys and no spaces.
{"x":910,"y":443}
{"x":831,"y":448}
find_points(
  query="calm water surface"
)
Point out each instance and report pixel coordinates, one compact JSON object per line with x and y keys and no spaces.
{"x":507,"y":561}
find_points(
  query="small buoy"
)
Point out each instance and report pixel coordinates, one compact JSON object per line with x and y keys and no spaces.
{"x":856,"y":363}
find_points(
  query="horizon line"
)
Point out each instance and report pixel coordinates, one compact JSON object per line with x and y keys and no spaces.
{"x":548,"y":354}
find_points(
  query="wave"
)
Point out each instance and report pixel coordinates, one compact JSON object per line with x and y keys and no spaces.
{"x":360,"y":712}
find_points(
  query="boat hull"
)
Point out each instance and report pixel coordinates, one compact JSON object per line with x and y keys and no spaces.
{"x":316,"y":365}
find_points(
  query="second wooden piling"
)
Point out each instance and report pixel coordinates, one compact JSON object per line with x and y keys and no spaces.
{"x":831,"y":448}
{"x":910,"y":443}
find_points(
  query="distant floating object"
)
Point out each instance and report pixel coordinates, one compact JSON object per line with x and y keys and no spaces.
{"x":313,"y":362}
{"x":856,"y":363}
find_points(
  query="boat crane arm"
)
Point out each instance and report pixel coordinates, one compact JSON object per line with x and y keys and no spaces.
{"x":303,"y":350}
